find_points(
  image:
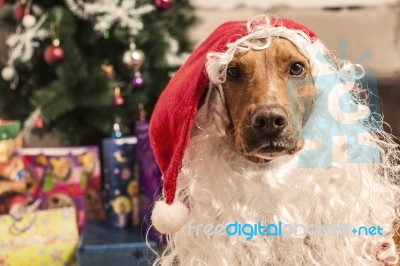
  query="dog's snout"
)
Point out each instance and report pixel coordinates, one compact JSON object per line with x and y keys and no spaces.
{"x":269,"y":119}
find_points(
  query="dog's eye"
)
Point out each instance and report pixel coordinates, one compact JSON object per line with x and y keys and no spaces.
{"x":233,"y":72}
{"x":297,"y":69}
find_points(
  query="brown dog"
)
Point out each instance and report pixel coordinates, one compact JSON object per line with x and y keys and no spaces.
{"x":257,"y":101}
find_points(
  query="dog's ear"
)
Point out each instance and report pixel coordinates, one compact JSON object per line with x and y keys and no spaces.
{"x":212,"y":115}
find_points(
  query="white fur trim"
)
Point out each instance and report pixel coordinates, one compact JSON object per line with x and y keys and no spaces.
{"x":169,"y":218}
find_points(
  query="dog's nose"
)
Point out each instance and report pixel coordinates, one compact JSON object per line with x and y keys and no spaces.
{"x":269,"y":119}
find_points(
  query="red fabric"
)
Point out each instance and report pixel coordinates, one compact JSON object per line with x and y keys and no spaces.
{"x":175,"y":111}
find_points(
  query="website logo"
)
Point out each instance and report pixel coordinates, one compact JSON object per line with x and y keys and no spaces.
{"x":280,"y":229}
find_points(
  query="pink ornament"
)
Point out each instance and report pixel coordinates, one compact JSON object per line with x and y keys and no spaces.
{"x":137,"y":81}
{"x":19,"y":12}
{"x":39,"y":123}
{"x":163,"y":4}
{"x":53,"y":55}
{"x":109,"y":73}
{"x":118,"y":100}
{"x":2,"y":3}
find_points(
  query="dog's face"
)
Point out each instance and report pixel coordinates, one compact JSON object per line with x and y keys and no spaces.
{"x":268,"y":95}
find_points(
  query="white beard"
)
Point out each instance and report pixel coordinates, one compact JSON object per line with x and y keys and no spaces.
{"x":221,"y":187}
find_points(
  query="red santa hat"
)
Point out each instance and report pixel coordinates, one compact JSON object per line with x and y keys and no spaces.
{"x":176,"y":109}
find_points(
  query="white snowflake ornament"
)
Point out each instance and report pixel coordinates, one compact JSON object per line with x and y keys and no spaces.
{"x":11,"y":40}
{"x":29,"y":21}
{"x":106,"y":13}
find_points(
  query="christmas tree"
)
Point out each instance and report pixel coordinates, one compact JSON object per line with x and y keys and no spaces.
{"x":79,"y":69}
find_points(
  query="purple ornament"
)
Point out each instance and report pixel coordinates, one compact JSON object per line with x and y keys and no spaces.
{"x":137,"y":81}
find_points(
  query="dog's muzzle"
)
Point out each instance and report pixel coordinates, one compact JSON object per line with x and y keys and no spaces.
{"x":268,"y":134}
{"x":269,"y":120}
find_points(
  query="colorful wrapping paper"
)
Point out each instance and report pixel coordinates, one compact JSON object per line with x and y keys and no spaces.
{"x":63,"y":177}
{"x":12,"y":179}
{"x":121,"y":181}
{"x":47,"y":237}
{"x":149,"y":174}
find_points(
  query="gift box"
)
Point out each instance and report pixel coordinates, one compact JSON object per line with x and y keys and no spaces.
{"x":65,"y":177}
{"x":121,"y":181}
{"x":12,"y":179}
{"x":149,"y":176}
{"x":48,"y":237}
{"x":103,"y":245}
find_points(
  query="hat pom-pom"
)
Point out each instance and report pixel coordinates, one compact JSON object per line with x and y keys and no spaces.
{"x":167,"y":218}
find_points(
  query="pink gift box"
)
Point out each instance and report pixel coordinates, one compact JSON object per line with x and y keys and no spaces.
{"x":63,"y":177}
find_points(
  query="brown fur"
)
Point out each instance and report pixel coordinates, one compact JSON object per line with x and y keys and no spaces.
{"x":263,"y":82}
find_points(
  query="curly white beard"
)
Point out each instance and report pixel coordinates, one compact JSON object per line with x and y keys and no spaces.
{"x":220,"y":187}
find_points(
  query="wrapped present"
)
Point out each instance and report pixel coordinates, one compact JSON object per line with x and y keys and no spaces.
{"x":47,"y":237}
{"x":68,"y":176}
{"x":121,"y":181}
{"x":12,"y":178}
{"x":149,"y":175}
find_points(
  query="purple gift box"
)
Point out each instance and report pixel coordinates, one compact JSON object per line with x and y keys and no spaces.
{"x":149,"y":175}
